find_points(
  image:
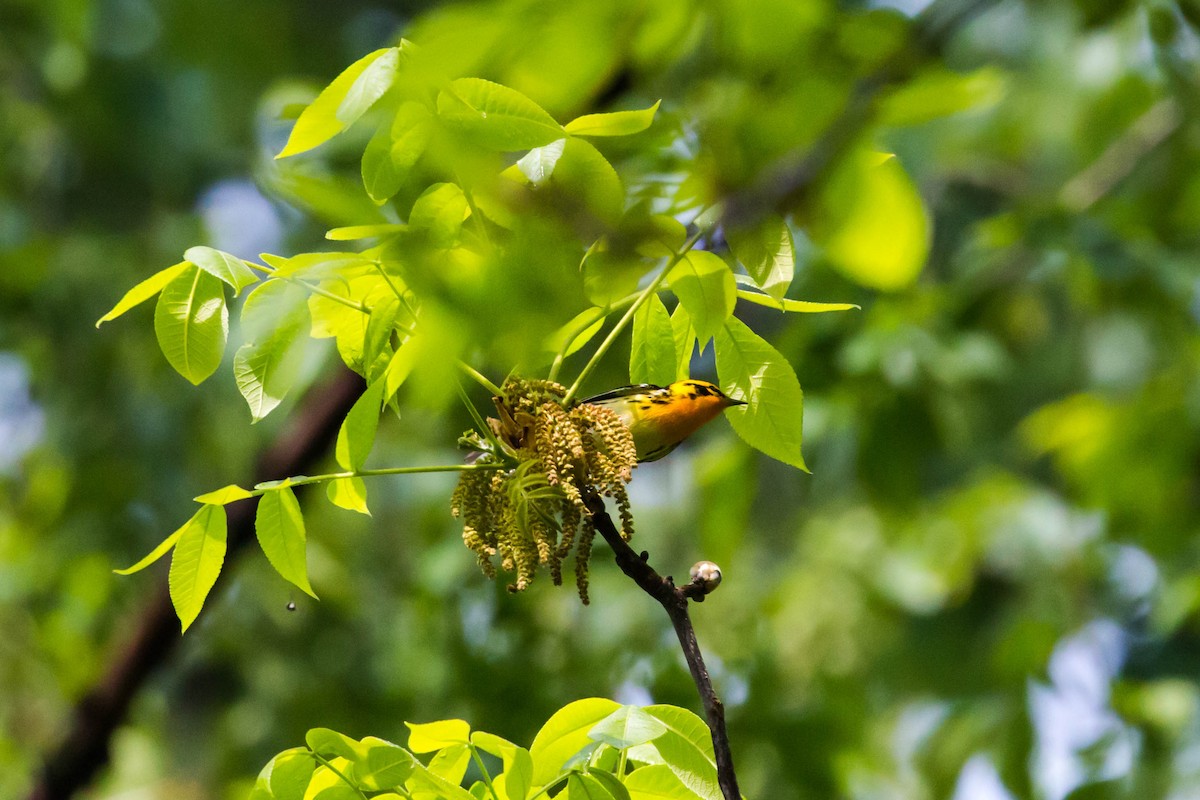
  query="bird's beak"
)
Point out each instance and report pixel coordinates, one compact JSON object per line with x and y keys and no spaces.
{"x":729,"y":401}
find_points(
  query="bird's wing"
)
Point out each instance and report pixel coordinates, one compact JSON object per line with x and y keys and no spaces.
{"x":624,"y":391}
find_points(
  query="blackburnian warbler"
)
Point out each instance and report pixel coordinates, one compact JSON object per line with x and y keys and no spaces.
{"x":660,"y":417}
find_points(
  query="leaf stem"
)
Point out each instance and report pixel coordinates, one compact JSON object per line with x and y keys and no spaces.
{"x":337,"y":298}
{"x":329,"y":766}
{"x":628,"y":315}
{"x":305,"y":480}
{"x":487,"y":779}
{"x":478,"y":377}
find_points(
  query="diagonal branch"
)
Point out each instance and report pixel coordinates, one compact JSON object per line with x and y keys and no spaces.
{"x":84,"y":750}
{"x":674,"y":601}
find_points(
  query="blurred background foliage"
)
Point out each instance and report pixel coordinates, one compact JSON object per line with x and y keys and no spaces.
{"x":989,"y":587}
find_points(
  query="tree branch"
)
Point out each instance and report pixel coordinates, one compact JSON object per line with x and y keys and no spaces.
{"x":85,"y":748}
{"x":674,"y":601}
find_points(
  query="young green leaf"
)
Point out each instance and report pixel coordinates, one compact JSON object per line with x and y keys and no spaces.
{"x":686,"y":724}
{"x":440,"y":211}
{"x":352,"y":232}
{"x":705,"y":286}
{"x":330,"y":744}
{"x":196,"y":563}
{"x":143,"y":291}
{"x":583,"y":173}
{"x":652,"y":358}
{"x":801,"y":306}
{"x":348,"y":493}
{"x":323,"y":118}
{"x":158,"y":552}
{"x":626,"y":727}
{"x":451,"y":762}
{"x":582,"y":786}
{"x":657,"y":782}
{"x":357,"y":433}
{"x":685,"y":342}
{"x":872,"y":223}
{"x":613,"y":123}
{"x":314,"y":266}
{"x":518,"y":764}
{"x":383,"y":766}
{"x":750,"y":369}
{"x":287,"y":775}
{"x":394,"y":149}
{"x":191,"y":322}
{"x":279,"y":524}
{"x":609,"y":780}
{"x":579,"y":331}
{"x":564,"y":735}
{"x":424,"y":784}
{"x":371,"y":84}
{"x":275,"y":316}
{"x":694,"y":769}
{"x":495,"y":116}
{"x":224,"y":496}
{"x":538,"y":164}
{"x":767,"y":252}
{"x":230,"y":269}
{"x":427,"y":737}
{"x":377,"y":339}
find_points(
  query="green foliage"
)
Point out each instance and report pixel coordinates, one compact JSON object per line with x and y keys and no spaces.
{"x":593,"y":749}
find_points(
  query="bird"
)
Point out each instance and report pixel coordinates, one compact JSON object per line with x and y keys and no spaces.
{"x":660,"y":417}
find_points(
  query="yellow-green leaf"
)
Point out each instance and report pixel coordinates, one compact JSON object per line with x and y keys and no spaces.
{"x":279,"y":524}
{"x":495,"y":116}
{"x":219,"y":264}
{"x":324,"y":118}
{"x":224,"y":495}
{"x":800,"y":306}
{"x":750,"y":369}
{"x":191,"y":323}
{"x":565,"y":734}
{"x":705,"y":286}
{"x":766,"y":251}
{"x":348,"y":493}
{"x":652,"y":356}
{"x":143,"y":291}
{"x":196,"y":563}
{"x":357,"y":434}
{"x":872,"y":223}
{"x":613,"y":123}
{"x":427,"y":737}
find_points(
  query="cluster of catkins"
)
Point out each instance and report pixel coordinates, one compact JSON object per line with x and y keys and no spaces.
{"x":534,"y":513}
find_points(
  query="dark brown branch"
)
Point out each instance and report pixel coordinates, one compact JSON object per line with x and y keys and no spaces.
{"x":85,"y":748}
{"x":674,"y":600}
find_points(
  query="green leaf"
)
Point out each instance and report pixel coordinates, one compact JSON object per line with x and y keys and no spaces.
{"x":565,"y":734}
{"x":750,"y":369}
{"x":377,"y":339}
{"x":143,"y":291}
{"x":158,"y":552}
{"x":582,"y":786}
{"x":801,"y":306}
{"x":767,"y":252}
{"x":685,"y":342}
{"x":872,"y":223}
{"x":656,"y":782}
{"x":688,"y":725}
{"x":614,"y":123}
{"x":430,"y":736}
{"x":191,"y":323}
{"x":705,"y":286}
{"x":427,"y":785}
{"x":323,"y":118}
{"x":495,"y":117}
{"x":939,"y":93}
{"x":691,"y":766}
{"x":224,"y":495}
{"x":287,"y":775}
{"x":610,"y":782}
{"x":440,"y":211}
{"x":584,"y":173}
{"x":371,"y":84}
{"x":196,"y":563}
{"x":538,"y":164}
{"x":578,"y":332}
{"x":357,"y":433}
{"x":518,"y":764}
{"x":393,"y":150}
{"x":626,"y":727}
{"x":330,"y":744}
{"x":279,"y":524}
{"x":327,"y":784}
{"x":275,"y":316}
{"x":352,"y":232}
{"x":228,"y":268}
{"x":318,"y":265}
{"x":348,"y":493}
{"x":652,"y":358}
{"x":383,"y":766}
{"x":450,"y":763}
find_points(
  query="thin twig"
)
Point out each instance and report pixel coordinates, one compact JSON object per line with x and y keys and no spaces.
{"x":674,"y":601}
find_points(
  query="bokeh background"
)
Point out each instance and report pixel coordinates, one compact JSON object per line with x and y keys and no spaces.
{"x":988,"y":587}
